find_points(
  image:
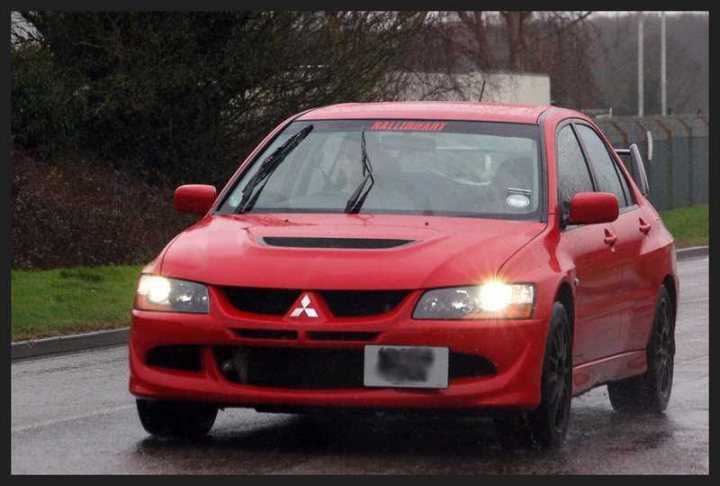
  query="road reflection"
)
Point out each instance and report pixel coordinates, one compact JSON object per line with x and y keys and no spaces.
{"x":412,"y":444}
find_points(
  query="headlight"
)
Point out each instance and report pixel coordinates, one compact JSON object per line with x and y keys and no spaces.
{"x":170,"y":295}
{"x":492,"y":300}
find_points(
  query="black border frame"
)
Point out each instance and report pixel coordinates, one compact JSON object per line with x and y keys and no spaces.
{"x":211,"y":5}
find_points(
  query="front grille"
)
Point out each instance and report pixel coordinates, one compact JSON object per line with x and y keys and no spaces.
{"x":292,"y":368}
{"x":262,"y":301}
{"x":347,"y":243}
{"x":266,"y":334}
{"x":361,"y":303}
{"x":341,"y":335}
{"x":307,"y":368}
{"x":187,"y":358}
{"x":342,"y":303}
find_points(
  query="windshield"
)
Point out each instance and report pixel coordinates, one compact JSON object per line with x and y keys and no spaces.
{"x":445,"y":168}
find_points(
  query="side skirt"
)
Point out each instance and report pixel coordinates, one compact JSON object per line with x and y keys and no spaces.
{"x":617,"y":367}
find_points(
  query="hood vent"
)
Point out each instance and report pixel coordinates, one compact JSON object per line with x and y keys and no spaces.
{"x":350,"y":243}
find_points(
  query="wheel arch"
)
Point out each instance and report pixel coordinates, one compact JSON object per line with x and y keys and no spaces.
{"x":566,"y":297}
{"x":669,"y":283}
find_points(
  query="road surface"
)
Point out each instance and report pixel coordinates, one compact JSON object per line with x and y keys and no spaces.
{"x":73,"y":414}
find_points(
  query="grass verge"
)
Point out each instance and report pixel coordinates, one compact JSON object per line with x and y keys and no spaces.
{"x":688,"y":225}
{"x":70,"y":300}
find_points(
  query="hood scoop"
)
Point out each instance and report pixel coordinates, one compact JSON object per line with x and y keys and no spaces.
{"x":324,"y":242}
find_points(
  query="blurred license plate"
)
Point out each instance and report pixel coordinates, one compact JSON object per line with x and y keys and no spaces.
{"x":406,"y":366}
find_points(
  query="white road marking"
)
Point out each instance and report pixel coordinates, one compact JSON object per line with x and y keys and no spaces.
{"x":693,"y":301}
{"x":48,"y":423}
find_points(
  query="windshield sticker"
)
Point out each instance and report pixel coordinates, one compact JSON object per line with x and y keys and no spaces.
{"x":517,"y":200}
{"x":397,"y":125}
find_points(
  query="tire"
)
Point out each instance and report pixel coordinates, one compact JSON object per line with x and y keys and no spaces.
{"x":546,"y":426}
{"x":176,"y":420}
{"x":650,"y":392}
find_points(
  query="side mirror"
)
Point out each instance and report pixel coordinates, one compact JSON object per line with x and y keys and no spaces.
{"x":194,"y":198}
{"x":634,"y":162}
{"x":593,"y":208}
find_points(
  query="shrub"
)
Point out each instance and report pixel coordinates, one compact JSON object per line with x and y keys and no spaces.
{"x":76,"y":213}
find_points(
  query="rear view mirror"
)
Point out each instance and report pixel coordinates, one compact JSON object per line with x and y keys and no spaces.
{"x":194,"y":198}
{"x":593,"y":208}
{"x":634,"y":162}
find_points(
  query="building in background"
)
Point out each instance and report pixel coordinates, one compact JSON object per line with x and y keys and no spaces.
{"x":495,"y":86}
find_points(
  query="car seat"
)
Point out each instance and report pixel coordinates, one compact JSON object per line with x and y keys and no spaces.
{"x":516,"y":173}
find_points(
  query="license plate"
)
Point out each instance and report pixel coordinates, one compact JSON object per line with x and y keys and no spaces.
{"x":406,"y":367}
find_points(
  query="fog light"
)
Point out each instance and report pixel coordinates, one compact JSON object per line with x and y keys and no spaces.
{"x":226,"y":366}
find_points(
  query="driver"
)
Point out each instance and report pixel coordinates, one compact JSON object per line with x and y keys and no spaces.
{"x":348,"y":165}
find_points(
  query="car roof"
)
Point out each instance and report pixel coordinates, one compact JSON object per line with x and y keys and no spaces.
{"x":430,"y":110}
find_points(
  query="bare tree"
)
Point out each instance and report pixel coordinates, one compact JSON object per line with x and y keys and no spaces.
{"x":516,"y":37}
{"x":555,"y":43}
{"x":476,"y":24}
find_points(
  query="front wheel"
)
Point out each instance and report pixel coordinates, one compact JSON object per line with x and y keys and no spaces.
{"x":547,"y":425}
{"x":650,"y":392}
{"x":176,"y":420}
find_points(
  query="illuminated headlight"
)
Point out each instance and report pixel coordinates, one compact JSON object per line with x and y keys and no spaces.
{"x":492,"y":300}
{"x":170,"y":295}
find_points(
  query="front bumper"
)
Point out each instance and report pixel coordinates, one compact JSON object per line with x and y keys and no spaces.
{"x":514,"y":347}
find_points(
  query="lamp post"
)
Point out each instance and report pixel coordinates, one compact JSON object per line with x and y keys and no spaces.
{"x":663,"y":67}
{"x":641,"y":94}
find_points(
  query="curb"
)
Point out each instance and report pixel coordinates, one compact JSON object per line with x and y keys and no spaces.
{"x":68,"y":344}
{"x":115,"y":337}
{"x":692,"y":252}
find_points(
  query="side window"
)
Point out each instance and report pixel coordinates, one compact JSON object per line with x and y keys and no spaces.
{"x":572,"y":171}
{"x":623,"y":183}
{"x":606,"y":171}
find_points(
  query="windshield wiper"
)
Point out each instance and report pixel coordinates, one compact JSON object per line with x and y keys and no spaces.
{"x":250,"y":195}
{"x":358,"y":196}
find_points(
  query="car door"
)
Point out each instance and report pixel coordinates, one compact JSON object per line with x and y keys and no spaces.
{"x":636,"y":296}
{"x":591,"y":250}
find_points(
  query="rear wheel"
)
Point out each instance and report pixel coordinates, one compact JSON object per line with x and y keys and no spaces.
{"x":650,"y":392}
{"x":178,"y":420}
{"x":547,"y":425}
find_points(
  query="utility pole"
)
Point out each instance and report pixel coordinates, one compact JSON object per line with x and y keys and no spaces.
{"x":663,"y":67}
{"x":641,"y":94}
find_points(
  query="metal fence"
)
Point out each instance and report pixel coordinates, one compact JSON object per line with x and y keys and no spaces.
{"x":678,"y":168}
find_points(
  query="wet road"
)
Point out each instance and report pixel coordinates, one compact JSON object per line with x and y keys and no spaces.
{"x":73,"y":414}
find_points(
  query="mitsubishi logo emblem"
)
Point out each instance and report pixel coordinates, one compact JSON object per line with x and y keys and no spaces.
{"x":304,"y":307}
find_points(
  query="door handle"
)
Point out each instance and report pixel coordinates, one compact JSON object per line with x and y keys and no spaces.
{"x":644,"y":226}
{"x":610,"y":238}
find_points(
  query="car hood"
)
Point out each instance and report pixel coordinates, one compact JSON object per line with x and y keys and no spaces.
{"x":240,"y":250}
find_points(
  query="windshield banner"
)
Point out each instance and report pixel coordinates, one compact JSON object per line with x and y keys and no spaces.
{"x":400,"y":125}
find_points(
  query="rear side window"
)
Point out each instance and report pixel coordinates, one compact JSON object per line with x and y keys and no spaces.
{"x":606,"y":170}
{"x":573,"y":175}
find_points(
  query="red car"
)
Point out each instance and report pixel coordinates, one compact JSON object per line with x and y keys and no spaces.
{"x":469,"y":257}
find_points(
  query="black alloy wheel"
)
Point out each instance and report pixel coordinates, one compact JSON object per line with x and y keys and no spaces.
{"x":545,"y":427}
{"x":176,"y":420}
{"x":650,"y":392}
